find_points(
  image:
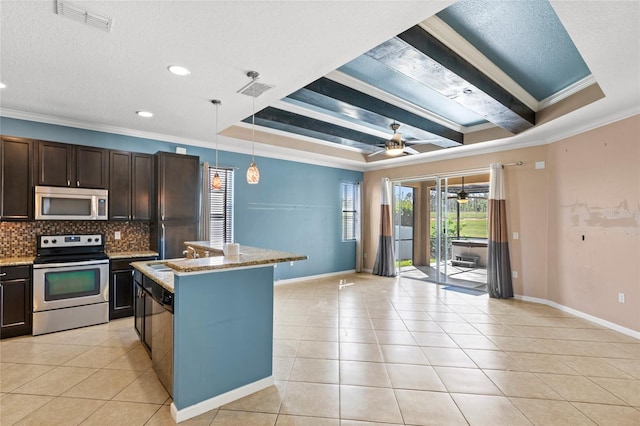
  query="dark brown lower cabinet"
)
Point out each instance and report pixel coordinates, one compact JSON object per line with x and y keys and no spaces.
{"x":121,"y":287}
{"x":16,"y":302}
{"x":143,"y":310}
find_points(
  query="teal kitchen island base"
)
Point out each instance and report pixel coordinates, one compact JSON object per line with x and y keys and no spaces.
{"x":217,"y":346}
{"x":223,"y":338}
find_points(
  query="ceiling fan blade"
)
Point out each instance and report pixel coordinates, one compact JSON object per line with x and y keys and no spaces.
{"x":410,"y":150}
{"x":421,"y":141}
{"x":375,"y":153}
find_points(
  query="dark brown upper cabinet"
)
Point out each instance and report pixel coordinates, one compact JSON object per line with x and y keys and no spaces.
{"x":130,"y":185}
{"x":178,"y":178}
{"x":72,"y":166}
{"x":16,"y":174}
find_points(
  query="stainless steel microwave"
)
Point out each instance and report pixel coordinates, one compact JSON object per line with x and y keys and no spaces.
{"x":53,"y":203}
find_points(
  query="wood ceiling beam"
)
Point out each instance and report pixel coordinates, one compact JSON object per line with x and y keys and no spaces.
{"x":279,"y":119}
{"x":354,"y":98}
{"x":465,"y":84}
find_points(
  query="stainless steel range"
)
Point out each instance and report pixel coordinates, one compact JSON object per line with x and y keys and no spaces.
{"x":70,"y":282}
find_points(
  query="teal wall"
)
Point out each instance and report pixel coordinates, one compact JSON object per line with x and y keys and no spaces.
{"x":294,"y":208}
{"x":222,"y":332}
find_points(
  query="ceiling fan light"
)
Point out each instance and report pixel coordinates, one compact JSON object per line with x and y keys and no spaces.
{"x":462,"y":197}
{"x":394,"y":146}
{"x":394,"y":151}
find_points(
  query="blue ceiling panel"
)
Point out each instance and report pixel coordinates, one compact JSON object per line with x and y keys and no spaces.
{"x":524,"y":38}
{"x":374,"y":72}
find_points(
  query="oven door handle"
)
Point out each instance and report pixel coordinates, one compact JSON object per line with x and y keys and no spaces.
{"x":68,"y":264}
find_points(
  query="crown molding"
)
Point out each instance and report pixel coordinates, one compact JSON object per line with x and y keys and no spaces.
{"x":567,"y":91}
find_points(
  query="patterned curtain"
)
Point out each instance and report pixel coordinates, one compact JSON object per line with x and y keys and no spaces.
{"x":385,"y":264}
{"x":498,"y":265}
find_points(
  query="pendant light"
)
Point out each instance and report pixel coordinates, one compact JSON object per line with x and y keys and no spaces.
{"x":462,"y":195}
{"x":253,"y":174}
{"x":216,"y":182}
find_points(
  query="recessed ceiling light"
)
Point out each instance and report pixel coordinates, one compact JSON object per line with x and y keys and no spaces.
{"x":145,"y":114}
{"x":178,"y":70}
{"x":3,"y":86}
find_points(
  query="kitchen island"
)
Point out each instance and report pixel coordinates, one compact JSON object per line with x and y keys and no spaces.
{"x":222,"y":324}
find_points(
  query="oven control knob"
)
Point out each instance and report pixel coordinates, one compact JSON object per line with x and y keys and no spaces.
{"x":54,"y":241}
{"x":45,"y":241}
{"x":88,"y":240}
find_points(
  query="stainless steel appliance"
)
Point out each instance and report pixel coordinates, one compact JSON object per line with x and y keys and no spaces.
{"x":70,"y":282}
{"x":162,"y":335}
{"x":53,"y":203}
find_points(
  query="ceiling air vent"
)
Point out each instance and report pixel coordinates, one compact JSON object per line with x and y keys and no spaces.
{"x":253,"y":88}
{"x":78,"y":14}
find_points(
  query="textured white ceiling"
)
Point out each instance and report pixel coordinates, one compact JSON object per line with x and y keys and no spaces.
{"x":57,"y":70}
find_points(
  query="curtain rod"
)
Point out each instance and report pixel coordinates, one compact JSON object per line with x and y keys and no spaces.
{"x":458,"y":173}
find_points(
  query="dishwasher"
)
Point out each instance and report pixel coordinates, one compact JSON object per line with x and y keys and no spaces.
{"x":162,"y":334}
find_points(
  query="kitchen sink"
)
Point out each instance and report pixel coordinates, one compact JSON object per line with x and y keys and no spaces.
{"x":160,"y":267}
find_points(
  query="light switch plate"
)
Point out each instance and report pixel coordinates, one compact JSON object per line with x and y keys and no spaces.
{"x":117,"y":235}
{"x":516,"y":235}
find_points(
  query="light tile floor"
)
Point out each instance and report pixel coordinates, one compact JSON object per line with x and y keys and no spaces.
{"x":354,"y":350}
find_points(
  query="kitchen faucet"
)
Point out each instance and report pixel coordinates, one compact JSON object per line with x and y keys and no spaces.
{"x":191,"y":253}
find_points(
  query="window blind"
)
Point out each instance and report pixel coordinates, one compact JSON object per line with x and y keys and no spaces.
{"x":348,"y":190}
{"x":221,"y":203}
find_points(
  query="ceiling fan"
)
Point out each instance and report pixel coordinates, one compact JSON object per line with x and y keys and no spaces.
{"x":396,"y":145}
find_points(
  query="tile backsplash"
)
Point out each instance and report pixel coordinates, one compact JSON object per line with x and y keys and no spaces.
{"x":19,"y":238}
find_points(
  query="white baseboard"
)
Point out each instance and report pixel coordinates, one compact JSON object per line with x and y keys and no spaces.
{"x":220,"y":400}
{"x":313,"y":277}
{"x":599,"y":321}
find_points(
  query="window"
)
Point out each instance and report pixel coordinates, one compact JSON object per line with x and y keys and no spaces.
{"x":221,"y":208}
{"x":349,"y":194}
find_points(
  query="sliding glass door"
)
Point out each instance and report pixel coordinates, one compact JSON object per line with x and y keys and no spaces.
{"x":440,"y":229}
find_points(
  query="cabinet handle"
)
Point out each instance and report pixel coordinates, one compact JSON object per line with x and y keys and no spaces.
{"x":164,"y":254}
{"x":4,"y":274}
{"x":78,"y":183}
{"x":68,"y":183}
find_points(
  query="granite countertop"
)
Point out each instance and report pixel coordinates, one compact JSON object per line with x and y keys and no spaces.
{"x":249,"y":256}
{"x":131,"y":254}
{"x":16,"y":261}
{"x":164,"y":278}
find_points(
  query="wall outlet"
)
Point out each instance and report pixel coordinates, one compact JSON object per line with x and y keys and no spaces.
{"x":620,"y":297}
{"x":117,"y":235}
{"x":539,"y":165}
{"x":514,"y":274}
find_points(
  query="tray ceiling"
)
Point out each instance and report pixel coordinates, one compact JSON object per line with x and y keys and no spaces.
{"x":455,"y":75}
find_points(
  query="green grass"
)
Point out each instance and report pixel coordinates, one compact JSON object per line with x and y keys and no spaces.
{"x":472,"y":224}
